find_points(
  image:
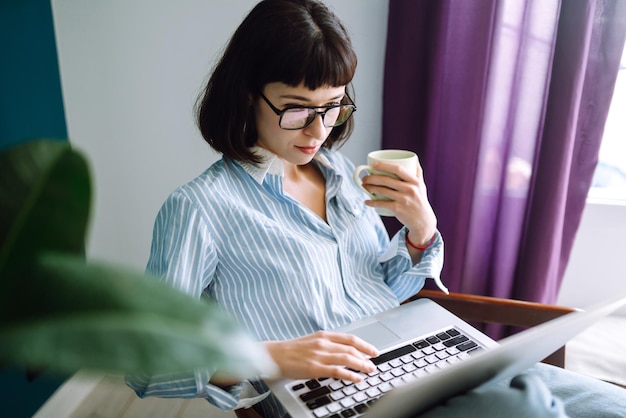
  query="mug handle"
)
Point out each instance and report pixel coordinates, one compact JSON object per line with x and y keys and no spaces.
{"x":357,"y":179}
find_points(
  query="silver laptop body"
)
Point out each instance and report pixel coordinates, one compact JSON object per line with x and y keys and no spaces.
{"x":400,"y":330}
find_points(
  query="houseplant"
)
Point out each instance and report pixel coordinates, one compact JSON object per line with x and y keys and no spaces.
{"x":60,"y":312}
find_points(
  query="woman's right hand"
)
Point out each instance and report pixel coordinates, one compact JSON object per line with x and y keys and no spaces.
{"x":323,"y":354}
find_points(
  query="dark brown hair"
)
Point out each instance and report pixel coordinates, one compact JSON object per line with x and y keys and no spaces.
{"x":288,"y":41}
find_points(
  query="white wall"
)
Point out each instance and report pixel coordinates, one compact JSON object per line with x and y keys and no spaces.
{"x":130,"y":73}
{"x":597,"y":266}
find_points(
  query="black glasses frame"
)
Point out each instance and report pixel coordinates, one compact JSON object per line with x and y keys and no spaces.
{"x":281,"y":112}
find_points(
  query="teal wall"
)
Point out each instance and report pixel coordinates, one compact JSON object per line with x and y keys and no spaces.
{"x":31,"y":103}
{"x":31,"y":106}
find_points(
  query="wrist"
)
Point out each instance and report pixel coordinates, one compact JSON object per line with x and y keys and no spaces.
{"x":419,"y":247}
{"x":272,"y":348}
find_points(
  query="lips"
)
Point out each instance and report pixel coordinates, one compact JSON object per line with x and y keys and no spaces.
{"x":308,"y":150}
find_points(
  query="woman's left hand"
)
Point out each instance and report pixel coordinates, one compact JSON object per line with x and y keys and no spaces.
{"x":409,"y":200}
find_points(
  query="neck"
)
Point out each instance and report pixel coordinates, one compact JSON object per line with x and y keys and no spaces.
{"x":293,"y":172}
{"x":306,"y":184}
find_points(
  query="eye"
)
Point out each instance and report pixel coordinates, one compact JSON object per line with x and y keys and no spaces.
{"x":292,"y":107}
{"x":296,"y":111}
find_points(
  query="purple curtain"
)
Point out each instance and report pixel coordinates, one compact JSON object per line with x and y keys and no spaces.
{"x":505,"y":103}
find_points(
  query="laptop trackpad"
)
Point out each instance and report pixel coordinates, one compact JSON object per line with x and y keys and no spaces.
{"x":376,"y":334}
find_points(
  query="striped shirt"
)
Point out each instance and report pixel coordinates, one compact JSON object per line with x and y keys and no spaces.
{"x":234,"y":235}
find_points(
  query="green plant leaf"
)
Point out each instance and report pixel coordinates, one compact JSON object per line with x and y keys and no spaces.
{"x":61,"y":313}
{"x":45,"y":194}
{"x":97,"y":316}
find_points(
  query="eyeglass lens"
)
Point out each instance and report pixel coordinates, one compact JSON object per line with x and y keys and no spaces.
{"x":298,"y":118}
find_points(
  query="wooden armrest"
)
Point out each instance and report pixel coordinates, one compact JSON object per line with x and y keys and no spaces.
{"x":492,"y":310}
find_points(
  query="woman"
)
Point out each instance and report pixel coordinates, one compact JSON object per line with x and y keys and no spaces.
{"x":276,"y":232}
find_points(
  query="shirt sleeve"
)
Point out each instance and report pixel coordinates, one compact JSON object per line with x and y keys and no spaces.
{"x":404,"y":278}
{"x":184,"y":256}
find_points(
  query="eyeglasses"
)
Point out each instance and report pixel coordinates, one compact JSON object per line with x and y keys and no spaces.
{"x":299,"y":117}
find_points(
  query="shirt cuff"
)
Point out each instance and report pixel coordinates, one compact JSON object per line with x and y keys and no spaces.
{"x":432,"y":257}
{"x":239,"y":395}
{"x":249,"y":396}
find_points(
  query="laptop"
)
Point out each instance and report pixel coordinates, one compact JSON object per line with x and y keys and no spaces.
{"x":428,"y":355}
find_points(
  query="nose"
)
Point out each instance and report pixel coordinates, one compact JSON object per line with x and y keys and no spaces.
{"x":317,"y":129}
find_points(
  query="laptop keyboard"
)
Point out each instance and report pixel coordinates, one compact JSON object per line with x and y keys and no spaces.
{"x":334,"y":398}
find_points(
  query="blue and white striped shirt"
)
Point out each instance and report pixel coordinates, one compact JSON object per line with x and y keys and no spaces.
{"x":232,"y":234}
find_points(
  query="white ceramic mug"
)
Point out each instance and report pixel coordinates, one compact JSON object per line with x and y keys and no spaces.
{"x":406,"y":159}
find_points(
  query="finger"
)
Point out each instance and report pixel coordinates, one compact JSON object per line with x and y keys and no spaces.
{"x":356,"y":362}
{"x":404,"y":198}
{"x":401,"y":172}
{"x":338,"y":372}
{"x":392,"y":183}
{"x":406,"y":195}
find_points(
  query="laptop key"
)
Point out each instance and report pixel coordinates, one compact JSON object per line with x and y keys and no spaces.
{"x":384,"y":367}
{"x":439,"y":346}
{"x":318,"y":402}
{"x":337,"y":384}
{"x":312,"y":384}
{"x":432,"y":340}
{"x":475,"y":350}
{"x":347,"y":402}
{"x":361,"y":408}
{"x":373,"y":381}
{"x":466,"y":345}
{"x":455,"y":341}
{"x":428,"y":351}
{"x":334,"y":407}
{"x":421,"y":344}
{"x":385,"y":387}
{"x":321,"y":412}
{"x":360,"y":397}
{"x":385,"y":377}
{"x":336,"y":396}
{"x":373,"y":392}
{"x":421,"y":363}
{"x":361,"y":386}
{"x":371,"y":402}
{"x":395,"y":363}
{"x":398,"y":352}
{"x":316,"y":393}
{"x":443,"y":336}
{"x":453,"y":332}
{"x":452,"y":351}
{"x":349,"y":390}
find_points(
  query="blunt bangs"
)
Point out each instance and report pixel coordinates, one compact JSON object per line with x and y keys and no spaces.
{"x":318,"y":64}
{"x":313,"y":48}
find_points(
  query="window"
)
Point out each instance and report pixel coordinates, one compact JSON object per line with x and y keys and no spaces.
{"x":609,"y":181}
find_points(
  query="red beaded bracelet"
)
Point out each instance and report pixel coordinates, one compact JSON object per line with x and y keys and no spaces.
{"x":408,"y":241}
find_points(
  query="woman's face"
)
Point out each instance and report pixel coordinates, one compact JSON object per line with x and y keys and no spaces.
{"x":298,"y":146}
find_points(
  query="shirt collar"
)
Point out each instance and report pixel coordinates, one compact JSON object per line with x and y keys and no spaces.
{"x":271,"y":164}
